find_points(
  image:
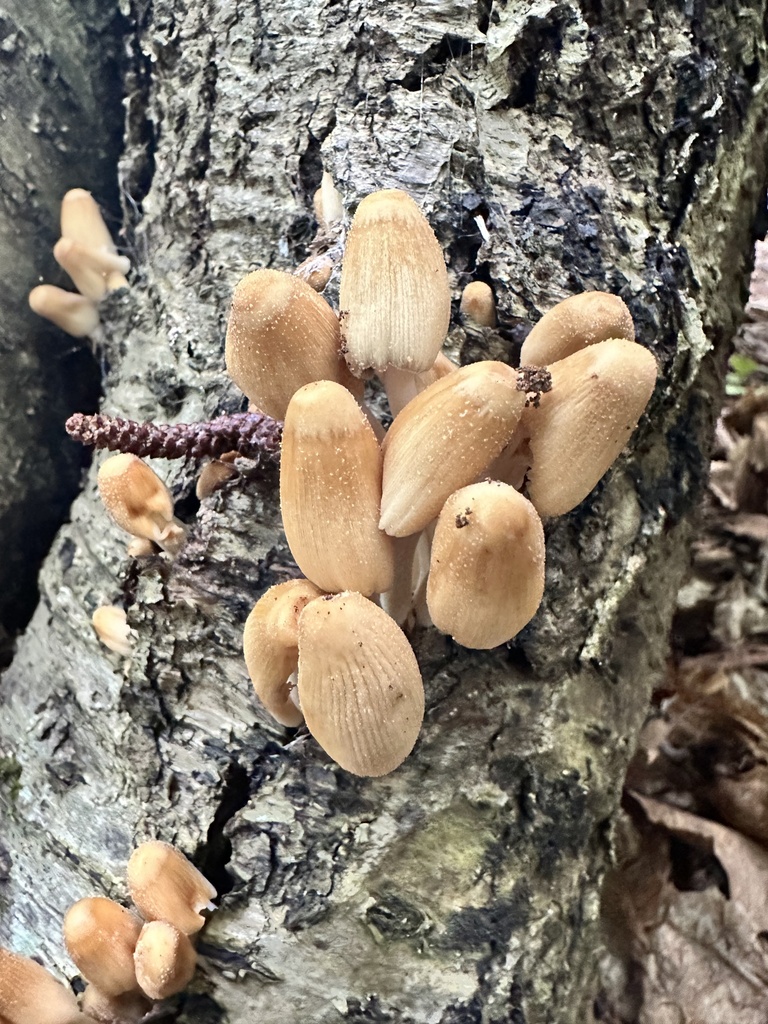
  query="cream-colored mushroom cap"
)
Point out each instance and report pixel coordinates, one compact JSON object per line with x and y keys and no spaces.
{"x":111,"y":626}
{"x":165,"y":886}
{"x":89,"y":268}
{"x":394,"y":295}
{"x":73,"y":313}
{"x":330,"y":492}
{"x":165,"y":960}
{"x":486,"y":573}
{"x":582,"y":424}
{"x":443,"y":439}
{"x":101,"y":937}
{"x":359,"y":684}
{"x":575,"y":323}
{"x":31,"y":995}
{"x":478,"y":303}
{"x":138,"y":501}
{"x":281,"y":335}
{"x":81,"y":220}
{"x":271,"y":646}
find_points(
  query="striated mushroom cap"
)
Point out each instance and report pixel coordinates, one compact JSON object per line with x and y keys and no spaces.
{"x":138,"y":501}
{"x":582,"y":424}
{"x":359,"y":684}
{"x":281,"y":335}
{"x":73,"y":313}
{"x":575,"y":323}
{"x":271,"y":646}
{"x":101,"y":937}
{"x":165,"y":886}
{"x":443,"y":439}
{"x":394,"y":295}
{"x":486,"y":574}
{"x":165,"y":960}
{"x":31,"y":995}
{"x":330,"y":492}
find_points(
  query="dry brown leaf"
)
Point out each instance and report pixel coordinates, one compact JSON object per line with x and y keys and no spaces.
{"x":744,"y":862}
{"x":705,"y":965}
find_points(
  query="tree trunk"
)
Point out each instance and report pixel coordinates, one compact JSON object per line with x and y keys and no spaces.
{"x":603,"y":145}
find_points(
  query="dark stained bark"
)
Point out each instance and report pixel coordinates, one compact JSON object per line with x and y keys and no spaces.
{"x":604,"y":145}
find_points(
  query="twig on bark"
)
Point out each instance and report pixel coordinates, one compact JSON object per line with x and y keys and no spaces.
{"x":250,"y":434}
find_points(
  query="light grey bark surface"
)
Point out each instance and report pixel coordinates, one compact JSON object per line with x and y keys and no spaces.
{"x":604,"y":145}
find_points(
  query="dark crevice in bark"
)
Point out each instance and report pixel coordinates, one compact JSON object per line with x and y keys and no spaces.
{"x":68,"y":377}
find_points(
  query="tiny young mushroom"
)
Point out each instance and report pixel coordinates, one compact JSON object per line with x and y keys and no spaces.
{"x":443,"y":439}
{"x":271,"y":646}
{"x":139,"y":502}
{"x":31,"y":995}
{"x":580,"y":427}
{"x":575,"y":323}
{"x":478,"y":304}
{"x":486,"y":576}
{"x":359,"y":684}
{"x":165,"y":886}
{"x":101,"y":936}
{"x":89,"y":268}
{"x":165,"y":960}
{"x":281,"y":335}
{"x":330,"y":492}
{"x":81,"y":220}
{"x":111,"y":626}
{"x":394,"y":296}
{"x":70,"y":311}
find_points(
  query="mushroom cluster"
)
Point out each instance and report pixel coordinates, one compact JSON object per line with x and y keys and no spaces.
{"x":128,"y":962}
{"x":426,"y":522}
{"x":87,"y":253}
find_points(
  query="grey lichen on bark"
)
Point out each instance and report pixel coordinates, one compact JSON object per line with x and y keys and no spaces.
{"x":604,"y":146}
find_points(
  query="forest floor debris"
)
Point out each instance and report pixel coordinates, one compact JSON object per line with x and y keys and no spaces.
{"x":686,"y":907}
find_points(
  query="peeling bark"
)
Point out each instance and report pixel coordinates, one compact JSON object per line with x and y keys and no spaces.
{"x":604,"y":145}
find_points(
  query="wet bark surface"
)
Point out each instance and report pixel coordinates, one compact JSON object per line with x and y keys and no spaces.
{"x":603,"y":146}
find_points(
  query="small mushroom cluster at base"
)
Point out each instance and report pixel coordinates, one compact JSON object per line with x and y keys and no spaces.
{"x":425,"y":522}
{"x":129,"y":962}
{"x":88,"y":254}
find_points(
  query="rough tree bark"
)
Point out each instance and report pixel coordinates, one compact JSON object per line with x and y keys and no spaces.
{"x":605,"y":145}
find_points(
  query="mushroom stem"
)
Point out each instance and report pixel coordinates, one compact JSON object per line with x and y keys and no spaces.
{"x":128,"y":1008}
{"x":398,"y":602}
